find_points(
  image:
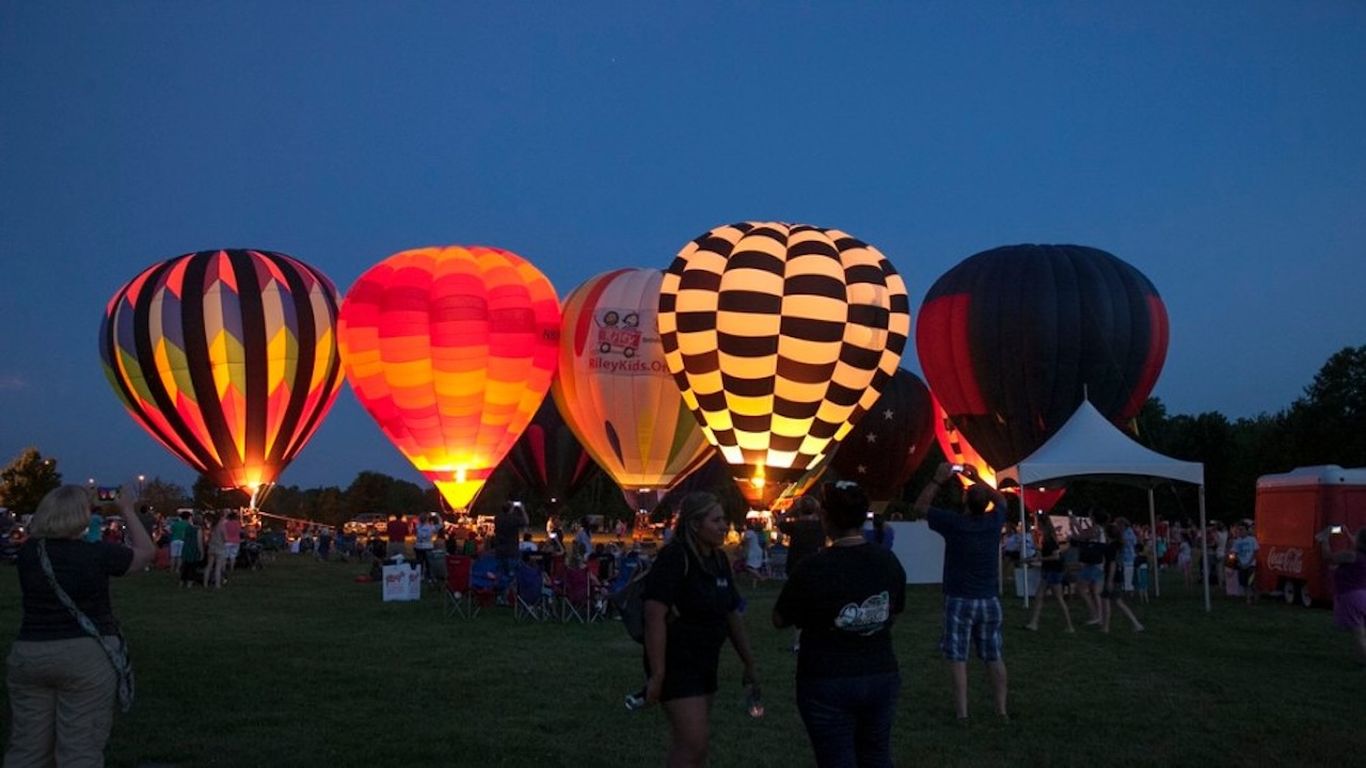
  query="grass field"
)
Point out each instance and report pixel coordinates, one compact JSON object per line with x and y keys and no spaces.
{"x":297,"y":665}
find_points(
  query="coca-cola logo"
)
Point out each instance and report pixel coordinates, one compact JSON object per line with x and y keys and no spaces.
{"x":1287,"y":560}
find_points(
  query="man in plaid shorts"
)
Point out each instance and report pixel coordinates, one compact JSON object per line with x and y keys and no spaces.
{"x":972,"y":611}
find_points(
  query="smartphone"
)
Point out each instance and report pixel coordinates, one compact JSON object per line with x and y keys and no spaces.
{"x":1335,"y":529}
{"x":956,"y":468}
{"x":107,"y":493}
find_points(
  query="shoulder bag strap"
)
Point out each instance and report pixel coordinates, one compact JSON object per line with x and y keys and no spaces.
{"x":115,"y":648}
{"x":86,"y":624}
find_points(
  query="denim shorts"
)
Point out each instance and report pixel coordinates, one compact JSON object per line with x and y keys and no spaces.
{"x":1091,"y":574}
{"x":972,"y":620}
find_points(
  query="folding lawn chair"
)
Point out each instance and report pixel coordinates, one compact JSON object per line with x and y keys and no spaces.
{"x":530,"y":600}
{"x":460,"y":597}
{"x":577,"y":598}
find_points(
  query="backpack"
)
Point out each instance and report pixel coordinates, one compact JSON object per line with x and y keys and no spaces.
{"x":630,"y":603}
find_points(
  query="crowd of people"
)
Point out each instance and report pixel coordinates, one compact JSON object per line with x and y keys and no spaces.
{"x":842,"y":592}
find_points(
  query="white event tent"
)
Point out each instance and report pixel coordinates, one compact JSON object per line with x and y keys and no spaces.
{"x":1089,"y":446}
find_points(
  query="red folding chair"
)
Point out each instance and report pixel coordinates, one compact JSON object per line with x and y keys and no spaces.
{"x":577,"y":598}
{"x":460,"y":597}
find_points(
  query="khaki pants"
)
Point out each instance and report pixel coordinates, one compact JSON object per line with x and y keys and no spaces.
{"x":61,"y":697}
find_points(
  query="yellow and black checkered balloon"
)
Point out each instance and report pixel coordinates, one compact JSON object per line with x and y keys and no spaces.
{"x":780,"y":337}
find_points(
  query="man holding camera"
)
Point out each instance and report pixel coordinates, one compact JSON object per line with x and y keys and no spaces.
{"x":972,"y":610}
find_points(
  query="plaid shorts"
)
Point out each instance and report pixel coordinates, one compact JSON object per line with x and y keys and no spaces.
{"x":976,"y":619}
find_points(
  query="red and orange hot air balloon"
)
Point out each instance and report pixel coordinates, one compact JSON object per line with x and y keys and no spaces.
{"x":615,"y":391}
{"x":780,"y":336}
{"x":228,"y":358}
{"x":451,"y":350}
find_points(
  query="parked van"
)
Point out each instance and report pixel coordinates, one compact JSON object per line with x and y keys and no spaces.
{"x":1291,"y":508}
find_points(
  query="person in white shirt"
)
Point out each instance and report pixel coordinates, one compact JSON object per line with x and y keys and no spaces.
{"x":424,"y":535}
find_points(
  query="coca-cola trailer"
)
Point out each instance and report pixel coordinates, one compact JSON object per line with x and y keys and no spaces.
{"x":1291,"y":508}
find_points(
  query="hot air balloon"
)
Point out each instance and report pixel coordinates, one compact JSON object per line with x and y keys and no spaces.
{"x":228,"y":358}
{"x":548,"y":458}
{"x":780,"y":338}
{"x":789,"y":495}
{"x":1012,"y":339}
{"x":451,"y":350}
{"x":958,"y":450}
{"x":887,"y":445}
{"x":614,"y":388}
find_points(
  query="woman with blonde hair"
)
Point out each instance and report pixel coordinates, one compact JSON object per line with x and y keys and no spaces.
{"x":62,"y":678}
{"x":691,"y":608}
{"x":218,"y":552}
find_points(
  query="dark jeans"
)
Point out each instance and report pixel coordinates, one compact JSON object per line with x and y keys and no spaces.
{"x":849,"y":719}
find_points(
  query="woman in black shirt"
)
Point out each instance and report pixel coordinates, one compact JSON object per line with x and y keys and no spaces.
{"x":1053,"y":571}
{"x":844,"y":598}
{"x":61,"y":683}
{"x":691,"y":607}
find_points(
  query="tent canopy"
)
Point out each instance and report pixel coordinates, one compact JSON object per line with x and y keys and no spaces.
{"x":1088,"y":445}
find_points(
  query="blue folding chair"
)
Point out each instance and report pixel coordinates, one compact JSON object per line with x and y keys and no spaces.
{"x":531,"y":601}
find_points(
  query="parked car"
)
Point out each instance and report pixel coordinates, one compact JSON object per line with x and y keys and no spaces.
{"x":361,"y":523}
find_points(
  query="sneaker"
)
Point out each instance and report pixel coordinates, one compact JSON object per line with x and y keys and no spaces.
{"x":635,"y":701}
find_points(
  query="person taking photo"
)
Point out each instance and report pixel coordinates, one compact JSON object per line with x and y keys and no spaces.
{"x":62,"y":681}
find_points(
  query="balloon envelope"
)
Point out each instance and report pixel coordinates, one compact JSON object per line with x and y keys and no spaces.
{"x":1012,"y":339}
{"x":451,"y":350}
{"x":548,"y":457}
{"x":888,"y":444}
{"x":780,"y":337}
{"x":614,"y":388}
{"x":228,"y":358}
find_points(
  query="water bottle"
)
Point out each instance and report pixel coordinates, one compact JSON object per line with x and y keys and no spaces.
{"x":754,"y":705}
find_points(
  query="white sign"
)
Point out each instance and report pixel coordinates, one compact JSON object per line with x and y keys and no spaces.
{"x":402,"y":582}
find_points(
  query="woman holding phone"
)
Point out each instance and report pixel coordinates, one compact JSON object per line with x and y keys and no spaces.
{"x":1349,"y":583}
{"x":62,"y":682}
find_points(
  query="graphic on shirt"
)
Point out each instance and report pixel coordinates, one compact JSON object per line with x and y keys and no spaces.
{"x":867,"y":618}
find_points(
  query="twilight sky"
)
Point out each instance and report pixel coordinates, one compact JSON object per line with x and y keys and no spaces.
{"x":1218,"y":147}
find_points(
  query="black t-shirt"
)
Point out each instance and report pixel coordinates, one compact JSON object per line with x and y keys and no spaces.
{"x":1112,"y":549}
{"x":83,"y":569}
{"x":1092,"y":552}
{"x":807,"y":538}
{"x":702,"y":598}
{"x":844,"y":599}
{"x":1051,"y":563}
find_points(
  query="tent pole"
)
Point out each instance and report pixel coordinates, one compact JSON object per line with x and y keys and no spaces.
{"x":1001,"y":568}
{"x":1152,"y":546}
{"x":1204,"y":548}
{"x":1024,"y":548}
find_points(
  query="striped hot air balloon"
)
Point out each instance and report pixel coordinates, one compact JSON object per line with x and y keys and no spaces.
{"x":451,"y":350}
{"x":549,"y":459}
{"x":228,"y":358}
{"x":780,"y":337}
{"x":614,"y":388}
